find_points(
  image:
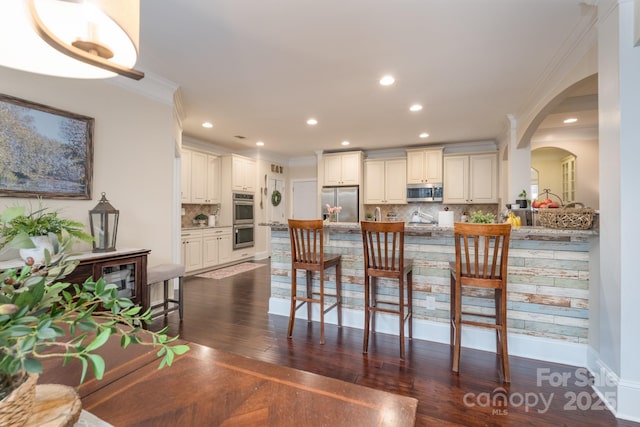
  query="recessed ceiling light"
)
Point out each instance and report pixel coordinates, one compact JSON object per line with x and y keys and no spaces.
{"x":259,"y":143}
{"x":424,"y":135}
{"x":415,"y":107}
{"x":345,"y":143}
{"x":207,"y":125}
{"x":312,"y":122}
{"x":387,"y":80}
{"x":570,"y":120}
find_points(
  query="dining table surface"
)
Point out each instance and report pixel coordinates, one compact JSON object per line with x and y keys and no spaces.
{"x":206,"y":386}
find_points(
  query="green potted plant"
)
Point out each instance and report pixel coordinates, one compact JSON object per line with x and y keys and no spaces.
{"x":201,"y":219}
{"x":37,"y":231}
{"x":478,"y":217}
{"x":41,"y":316}
{"x":522,"y":199}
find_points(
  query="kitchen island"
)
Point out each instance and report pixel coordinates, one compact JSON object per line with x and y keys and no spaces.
{"x":548,"y":287}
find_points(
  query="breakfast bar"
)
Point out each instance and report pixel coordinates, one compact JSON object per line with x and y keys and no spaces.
{"x":548,"y":287}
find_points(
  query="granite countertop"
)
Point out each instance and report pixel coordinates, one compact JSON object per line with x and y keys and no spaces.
{"x":203,"y":227}
{"x":532,"y":233}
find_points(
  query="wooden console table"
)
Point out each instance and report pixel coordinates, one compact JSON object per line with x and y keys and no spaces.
{"x":126,"y":268}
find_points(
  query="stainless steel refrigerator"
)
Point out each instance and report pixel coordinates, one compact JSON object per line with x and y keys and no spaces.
{"x":346,"y":197}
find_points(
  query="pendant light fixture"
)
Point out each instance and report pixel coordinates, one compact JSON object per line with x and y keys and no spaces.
{"x":88,"y":39}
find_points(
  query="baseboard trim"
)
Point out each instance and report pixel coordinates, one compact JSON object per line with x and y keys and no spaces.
{"x":609,"y":386}
{"x":531,"y":347}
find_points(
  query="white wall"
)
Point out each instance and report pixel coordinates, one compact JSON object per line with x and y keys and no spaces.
{"x":133,"y":155}
{"x":618,"y":346}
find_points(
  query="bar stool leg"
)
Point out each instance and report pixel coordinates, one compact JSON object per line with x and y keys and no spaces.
{"x":321,"y":306}
{"x":458,"y":332}
{"x":410,"y":302}
{"x":401,"y":307}
{"x":501,"y":318}
{"x":367,"y":313}
{"x":166,"y":297}
{"x":374,"y":285}
{"x":180,"y":298}
{"x":309,"y":295}
{"x":339,"y":293}
{"x":292,"y":313}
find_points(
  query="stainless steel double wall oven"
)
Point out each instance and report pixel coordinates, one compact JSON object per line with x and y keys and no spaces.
{"x":243,"y":220}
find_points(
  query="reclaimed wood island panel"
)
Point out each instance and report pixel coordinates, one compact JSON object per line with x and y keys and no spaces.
{"x":548,"y":287}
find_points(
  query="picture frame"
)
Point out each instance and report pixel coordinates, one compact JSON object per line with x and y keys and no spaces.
{"x":44,"y":152}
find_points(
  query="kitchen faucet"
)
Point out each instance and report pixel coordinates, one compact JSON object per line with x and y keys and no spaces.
{"x":377,"y":215}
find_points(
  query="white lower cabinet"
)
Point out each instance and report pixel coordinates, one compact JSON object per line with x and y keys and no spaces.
{"x":216,"y":244}
{"x":206,"y":248}
{"x":192,"y":250}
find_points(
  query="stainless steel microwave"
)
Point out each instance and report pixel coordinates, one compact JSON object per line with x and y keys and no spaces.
{"x":417,"y":193}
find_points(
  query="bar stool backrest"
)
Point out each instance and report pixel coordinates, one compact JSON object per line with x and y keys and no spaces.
{"x":482,"y":253}
{"x":307,"y":242}
{"x":383,"y":244}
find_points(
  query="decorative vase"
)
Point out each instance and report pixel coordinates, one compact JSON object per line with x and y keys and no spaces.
{"x":16,"y":408}
{"x":37,"y":253}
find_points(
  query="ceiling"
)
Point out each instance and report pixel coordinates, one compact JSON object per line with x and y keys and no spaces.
{"x":260,"y":68}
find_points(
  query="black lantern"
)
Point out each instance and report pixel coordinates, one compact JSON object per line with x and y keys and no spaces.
{"x":103,"y":220}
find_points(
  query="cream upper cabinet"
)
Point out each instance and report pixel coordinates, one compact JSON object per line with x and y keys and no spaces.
{"x":471,"y":178}
{"x":198,"y":177}
{"x":424,"y":166}
{"x":213,"y":179}
{"x":205,"y":178}
{"x":385,"y":181}
{"x":342,"y":168}
{"x":185,"y":177}
{"x":243,"y":174}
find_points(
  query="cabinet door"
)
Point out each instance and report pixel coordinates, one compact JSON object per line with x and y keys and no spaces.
{"x":192,"y":250}
{"x":483,"y":178}
{"x":433,"y":166}
{"x":350,"y":169}
{"x":213,"y":180}
{"x":243,"y":174}
{"x":198,"y":177}
{"x":415,"y":167}
{"x":125,"y":274}
{"x":374,"y":181}
{"x":396,"y":181}
{"x":225,"y":248}
{"x":185,"y":177}
{"x":456,"y":179}
{"x":250,"y":175}
{"x":209,"y":251}
{"x":332,"y":170}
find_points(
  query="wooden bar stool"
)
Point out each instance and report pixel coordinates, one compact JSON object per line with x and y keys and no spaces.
{"x":482,"y":252}
{"x":164,"y":273}
{"x":307,"y":253}
{"x":383,"y":244}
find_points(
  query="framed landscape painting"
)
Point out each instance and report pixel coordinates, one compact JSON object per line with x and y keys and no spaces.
{"x":44,"y":152}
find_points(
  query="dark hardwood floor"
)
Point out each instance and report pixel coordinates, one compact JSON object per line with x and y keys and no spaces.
{"x":231,"y":315}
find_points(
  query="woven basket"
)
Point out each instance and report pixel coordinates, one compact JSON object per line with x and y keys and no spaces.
{"x":15,"y":409}
{"x":566,"y":218}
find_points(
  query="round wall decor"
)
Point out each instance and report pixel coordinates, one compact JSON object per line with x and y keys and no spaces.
{"x":276,"y":198}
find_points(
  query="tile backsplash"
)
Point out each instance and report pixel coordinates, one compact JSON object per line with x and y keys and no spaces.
{"x":190,"y":212}
{"x":405,"y":212}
